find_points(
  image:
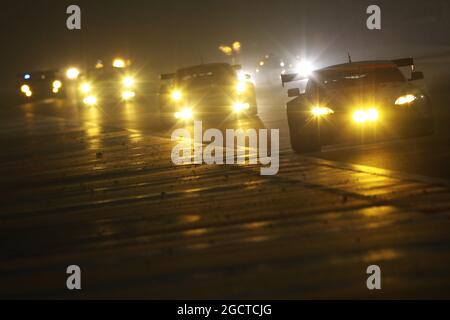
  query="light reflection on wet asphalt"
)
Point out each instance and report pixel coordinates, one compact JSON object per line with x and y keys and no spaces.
{"x":97,"y":188}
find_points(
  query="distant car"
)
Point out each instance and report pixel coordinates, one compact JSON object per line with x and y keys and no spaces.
{"x":41,"y":85}
{"x":106,"y":85}
{"x":357,"y":100}
{"x":216,"y":89}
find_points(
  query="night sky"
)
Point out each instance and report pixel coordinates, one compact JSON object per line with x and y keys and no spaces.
{"x":161,"y":35}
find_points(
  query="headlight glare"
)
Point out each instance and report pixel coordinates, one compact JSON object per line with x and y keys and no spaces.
{"x":365,"y":115}
{"x":127,"y":95}
{"x":319,"y":111}
{"x":25,"y":88}
{"x":57,"y":84}
{"x":240,"y":106}
{"x":176,"y":95}
{"x":86,"y":87}
{"x":90,"y":100}
{"x":184,"y":114}
{"x":405,"y":99}
{"x":128,"y":82}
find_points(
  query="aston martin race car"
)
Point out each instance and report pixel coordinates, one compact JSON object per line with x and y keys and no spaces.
{"x":41,"y":85}
{"x":106,"y":85}
{"x":206,"y":90}
{"x":359,"y":102}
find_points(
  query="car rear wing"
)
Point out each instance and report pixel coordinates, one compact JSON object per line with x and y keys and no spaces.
{"x":405,"y":62}
{"x":291,"y":77}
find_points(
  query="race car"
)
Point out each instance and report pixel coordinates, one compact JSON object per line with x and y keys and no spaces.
{"x":106,"y":85}
{"x":40,"y":85}
{"x":361,"y":101}
{"x":216,"y":89}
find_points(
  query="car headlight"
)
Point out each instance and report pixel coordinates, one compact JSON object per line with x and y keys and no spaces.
{"x":319,"y":111}
{"x":127,"y":95}
{"x":72,"y":73}
{"x":176,"y":95}
{"x":241,"y":87}
{"x":240,"y":106}
{"x":119,"y":63}
{"x":57,"y":84}
{"x":25,"y":88}
{"x":90,"y":100}
{"x":28,"y":93}
{"x":408,"y":98}
{"x":360,"y":116}
{"x":184,"y":114}
{"x":128,"y":82}
{"x":85,"y":88}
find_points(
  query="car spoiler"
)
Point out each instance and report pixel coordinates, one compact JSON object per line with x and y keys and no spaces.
{"x":167,"y":76}
{"x":291,"y":77}
{"x":405,"y":62}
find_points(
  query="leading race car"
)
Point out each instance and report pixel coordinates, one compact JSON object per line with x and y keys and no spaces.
{"x":206,"y":90}
{"x":41,"y":85}
{"x":361,"y":100}
{"x":107,"y":84}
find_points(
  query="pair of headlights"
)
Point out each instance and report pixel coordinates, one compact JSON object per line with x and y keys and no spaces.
{"x":127,"y":82}
{"x":363,"y":115}
{"x":26,"y":89}
{"x":359,"y":116}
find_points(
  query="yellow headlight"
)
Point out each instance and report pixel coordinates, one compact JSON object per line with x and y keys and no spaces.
{"x":25,"y":88}
{"x":91,"y":100}
{"x":184,"y":114}
{"x":57,"y":84}
{"x":176,"y":95}
{"x":28,"y":93}
{"x":86,"y":87}
{"x":72,"y":73}
{"x":127,"y":95}
{"x":119,"y":63}
{"x":128,"y":82}
{"x":240,"y":106}
{"x":321,"y":111}
{"x":361,"y":116}
{"x":405,"y":99}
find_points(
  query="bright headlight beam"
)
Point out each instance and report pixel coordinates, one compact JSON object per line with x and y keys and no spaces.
{"x":25,"y":88}
{"x":57,"y":84}
{"x":119,"y":63}
{"x":240,"y":106}
{"x":176,"y":95}
{"x":321,"y":111}
{"x":86,"y":87}
{"x":360,"y":116}
{"x":405,"y":99}
{"x":72,"y":73}
{"x":90,"y":100}
{"x":127,"y":95}
{"x":184,"y":114}
{"x":304,"y":68}
{"x":128,"y":82}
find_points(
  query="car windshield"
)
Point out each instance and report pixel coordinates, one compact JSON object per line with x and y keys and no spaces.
{"x":106,"y":75}
{"x":341,"y":79}
{"x":206,"y":75}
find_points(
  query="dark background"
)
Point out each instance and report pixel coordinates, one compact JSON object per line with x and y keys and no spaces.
{"x":161,"y":35}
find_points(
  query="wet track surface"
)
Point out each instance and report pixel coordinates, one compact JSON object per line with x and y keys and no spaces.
{"x":101,"y":192}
